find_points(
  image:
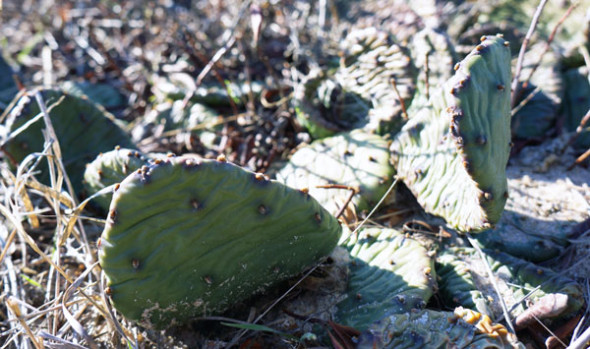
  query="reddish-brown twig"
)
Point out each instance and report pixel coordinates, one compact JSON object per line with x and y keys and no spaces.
{"x":548,"y":43}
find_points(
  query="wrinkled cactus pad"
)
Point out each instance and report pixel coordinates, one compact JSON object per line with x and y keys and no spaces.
{"x":453,"y":154}
{"x":188,"y":237}
{"x":83,"y":130}
{"x":523,"y":242}
{"x":462,"y":328}
{"x":358,"y":93}
{"x":356,"y":159}
{"x":515,"y":278}
{"x":456,"y":284}
{"x":389,"y":273}
{"x":110,"y":168}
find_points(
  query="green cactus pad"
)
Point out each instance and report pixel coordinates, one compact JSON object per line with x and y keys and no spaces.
{"x":436,"y":329}
{"x":359,"y":93}
{"x":453,"y":154}
{"x":100,"y":93}
{"x":356,"y":159}
{"x":434,"y":48}
{"x":536,"y":119}
{"x":8,"y":88}
{"x":576,"y":104}
{"x":389,"y":273}
{"x":516,"y":240}
{"x":203,"y":120}
{"x":189,"y":237}
{"x":456,"y":284}
{"x":82,"y":128}
{"x":516,"y":278}
{"x":110,"y":168}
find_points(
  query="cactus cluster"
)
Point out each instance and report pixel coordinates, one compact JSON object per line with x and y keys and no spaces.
{"x":82,"y":128}
{"x":187,"y":237}
{"x":453,"y":154}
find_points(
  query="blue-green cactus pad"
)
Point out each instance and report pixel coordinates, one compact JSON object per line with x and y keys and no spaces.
{"x":356,"y":159}
{"x":83,"y":130}
{"x":453,"y":154}
{"x":188,"y":237}
{"x":437,"y":329}
{"x":456,"y":284}
{"x":516,"y":277}
{"x":389,"y":273}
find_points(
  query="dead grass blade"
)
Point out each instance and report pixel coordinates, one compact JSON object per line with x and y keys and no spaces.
{"x":13,"y":307}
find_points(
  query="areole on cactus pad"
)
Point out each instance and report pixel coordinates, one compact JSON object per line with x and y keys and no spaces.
{"x":188,"y":237}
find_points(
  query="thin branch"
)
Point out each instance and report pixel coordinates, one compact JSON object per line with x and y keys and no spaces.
{"x":492,"y":278}
{"x":529,"y":34}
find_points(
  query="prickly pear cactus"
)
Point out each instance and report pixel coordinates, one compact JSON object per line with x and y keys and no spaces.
{"x":356,"y":159}
{"x":524,"y":243}
{"x":100,"y":93}
{"x":453,"y":154}
{"x":188,"y":237}
{"x":515,"y":278}
{"x":435,"y":50}
{"x":82,"y":128}
{"x":576,"y":104}
{"x":462,"y":328}
{"x":8,"y":87}
{"x":456,"y":284}
{"x":110,"y":168}
{"x":536,"y":119}
{"x":359,"y":93}
{"x":202,"y":120}
{"x":389,"y":273}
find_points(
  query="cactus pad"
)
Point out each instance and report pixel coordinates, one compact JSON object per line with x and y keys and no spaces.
{"x":110,"y":168}
{"x":462,"y":328}
{"x":453,"y":154}
{"x":359,"y":93}
{"x":189,"y":237}
{"x":356,"y":159}
{"x":8,"y":88}
{"x":389,"y":273}
{"x":515,"y":278}
{"x":82,"y":128}
{"x":456,"y":284}
{"x":100,"y":93}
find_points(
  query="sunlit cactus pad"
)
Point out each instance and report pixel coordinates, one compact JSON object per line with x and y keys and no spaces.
{"x":462,"y":328}
{"x":189,"y":237}
{"x":110,"y":168}
{"x":389,"y":273}
{"x":453,"y":154}
{"x":359,"y":92}
{"x":83,"y":130}
{"x":356,"y":159}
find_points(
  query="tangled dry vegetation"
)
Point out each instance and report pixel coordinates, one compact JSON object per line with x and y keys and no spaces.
{"x":150,"y":56}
